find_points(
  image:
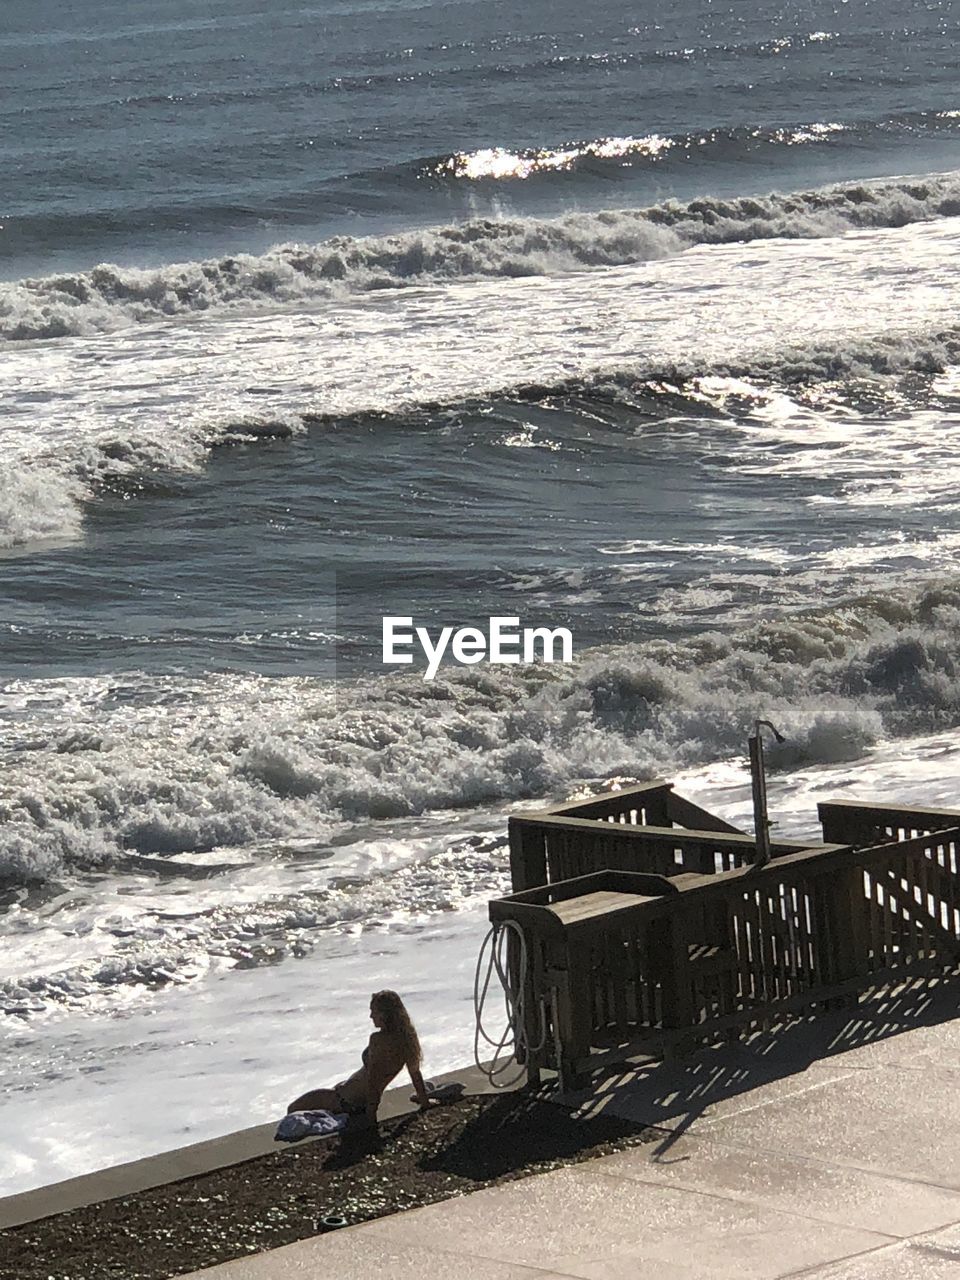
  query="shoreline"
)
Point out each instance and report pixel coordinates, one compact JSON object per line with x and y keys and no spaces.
{"x":197,"y":1159}
{"x":294,"y":1194}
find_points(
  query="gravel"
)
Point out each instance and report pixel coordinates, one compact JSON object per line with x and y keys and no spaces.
{"x":276,"y":1199}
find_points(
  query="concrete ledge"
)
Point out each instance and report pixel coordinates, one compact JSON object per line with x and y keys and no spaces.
{"x":189,"y":1162}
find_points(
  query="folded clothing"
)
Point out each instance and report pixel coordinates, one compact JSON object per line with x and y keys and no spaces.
{"x":298,"y":1125}
{"x":448,"y":1092}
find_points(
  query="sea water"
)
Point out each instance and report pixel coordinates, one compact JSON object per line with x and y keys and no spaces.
{"x":639,"y":324}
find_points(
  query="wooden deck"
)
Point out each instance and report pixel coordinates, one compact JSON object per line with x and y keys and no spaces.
{"x":646,"y":935}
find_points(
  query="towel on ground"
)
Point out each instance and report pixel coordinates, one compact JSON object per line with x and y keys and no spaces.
{"x":308,"y":1124}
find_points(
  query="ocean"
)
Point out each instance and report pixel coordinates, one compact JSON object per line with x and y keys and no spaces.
{"x":633,"y":322}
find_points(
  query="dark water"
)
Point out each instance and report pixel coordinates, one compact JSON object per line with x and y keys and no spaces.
{"x":197,"y":127}
{"x":283,"y":557}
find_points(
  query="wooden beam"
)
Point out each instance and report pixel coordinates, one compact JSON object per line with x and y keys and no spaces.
{"x":663,"y":835}
{"x":684,"y":813}
{"x":610,"y":802}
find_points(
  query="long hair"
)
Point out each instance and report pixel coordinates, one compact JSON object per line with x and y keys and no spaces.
{"x":396,"y":1022}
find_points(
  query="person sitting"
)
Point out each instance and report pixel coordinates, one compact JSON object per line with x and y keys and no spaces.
{"x":392,"y":1046}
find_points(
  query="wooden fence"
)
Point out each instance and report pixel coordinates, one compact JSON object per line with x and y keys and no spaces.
{"x":731,"y":945}
{"x":651,"y":832}
{"x":858,"y":823}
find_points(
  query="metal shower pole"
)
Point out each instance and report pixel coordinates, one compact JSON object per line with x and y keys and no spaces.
{"x":758,"y":779}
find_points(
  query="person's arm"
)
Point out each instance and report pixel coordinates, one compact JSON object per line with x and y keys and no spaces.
{"x":420,"y":1088}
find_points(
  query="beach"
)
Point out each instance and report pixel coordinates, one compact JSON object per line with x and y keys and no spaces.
{"x":642,"y":327}
{"x":296,"y":1194}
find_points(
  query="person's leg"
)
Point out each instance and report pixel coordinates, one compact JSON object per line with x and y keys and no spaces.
{"x":317,"y":1100}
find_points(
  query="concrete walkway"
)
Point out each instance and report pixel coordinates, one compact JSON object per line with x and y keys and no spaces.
{"x":831,"y":1151}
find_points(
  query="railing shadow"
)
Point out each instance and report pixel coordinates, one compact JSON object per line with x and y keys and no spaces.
{"x":672,"y":1095}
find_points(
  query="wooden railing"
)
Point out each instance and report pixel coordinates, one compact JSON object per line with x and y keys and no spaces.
{"x":644,"y":805}
{"x":545,"y":848}
{"x":645,"y":829}
{"x":858,"y":823}
{"x":728,"y":948}
{"x":652,"y":804}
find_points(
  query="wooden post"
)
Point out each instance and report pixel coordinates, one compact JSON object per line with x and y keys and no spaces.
{"x":669,"y":962}
{"x":657,"y":808}
{"x":840,"y":825}
{"x":580,"y":1032}
{"x":535,"y":991}
{"x":841,"y":922}
{"x":561,"y":978}
{"x":528,"y":855}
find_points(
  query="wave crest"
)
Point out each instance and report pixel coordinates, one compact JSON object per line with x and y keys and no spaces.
{"x":282,"y":763}
{"x":39,"y":504}
{"x":108,"y":298}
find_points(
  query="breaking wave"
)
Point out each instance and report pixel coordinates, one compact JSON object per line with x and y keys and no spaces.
{"x":43,"y":497}
{"x":240,"y":761}
{"x":604,"y":157}
{"x":600,"y":155}
{"x":39,"y":504}
{"x":109,"y":298}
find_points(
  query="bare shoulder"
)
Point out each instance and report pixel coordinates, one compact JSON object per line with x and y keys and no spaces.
{"x":379,"y":1043}
{"x":383,"y":1046}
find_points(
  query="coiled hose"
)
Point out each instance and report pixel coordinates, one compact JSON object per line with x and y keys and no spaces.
{"x":513,"y":1043}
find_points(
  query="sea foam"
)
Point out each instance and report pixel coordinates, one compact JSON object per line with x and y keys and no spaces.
{"x":110,"y":298}
{"x":275,"y":760}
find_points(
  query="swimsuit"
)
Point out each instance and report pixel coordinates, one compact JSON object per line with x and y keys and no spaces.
{"x":351,"y":1108}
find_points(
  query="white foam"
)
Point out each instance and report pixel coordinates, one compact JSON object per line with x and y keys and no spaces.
{"x":237,"y":762}
{"x":39,"y":504}
{"x":110,"y":297}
